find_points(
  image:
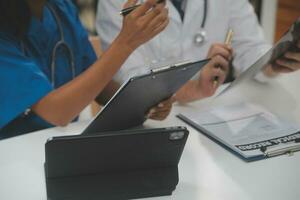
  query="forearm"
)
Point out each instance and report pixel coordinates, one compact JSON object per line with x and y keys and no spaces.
{"x":65,"y":103}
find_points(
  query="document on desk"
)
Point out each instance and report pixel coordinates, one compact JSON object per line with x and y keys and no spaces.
{"x":248,"y":130}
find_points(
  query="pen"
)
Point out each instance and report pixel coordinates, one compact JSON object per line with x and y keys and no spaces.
{"x":128,"y":10}
{"x":228,"y":41}
{"x":229,"y":37}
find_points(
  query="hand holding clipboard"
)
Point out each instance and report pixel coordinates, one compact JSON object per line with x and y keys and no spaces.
{"x":211,"y":75}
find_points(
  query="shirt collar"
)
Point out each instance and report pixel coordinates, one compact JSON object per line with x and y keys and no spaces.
{"x":42,"y":31}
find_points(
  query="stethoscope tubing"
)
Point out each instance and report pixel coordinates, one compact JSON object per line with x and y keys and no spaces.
{"x":205,"y":10}
{"x":60,"y":43}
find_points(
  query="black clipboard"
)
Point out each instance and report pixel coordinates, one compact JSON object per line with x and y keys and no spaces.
{"x":128,"y":107}
{"x":114,"y":165}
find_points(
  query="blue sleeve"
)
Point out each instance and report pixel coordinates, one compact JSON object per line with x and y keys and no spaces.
{"x":22,"y":83}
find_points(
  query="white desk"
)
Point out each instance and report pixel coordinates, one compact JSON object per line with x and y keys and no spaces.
{"x":207,"y":171}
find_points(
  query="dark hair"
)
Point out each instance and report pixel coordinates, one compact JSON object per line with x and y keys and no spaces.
{"x":15,"y":17}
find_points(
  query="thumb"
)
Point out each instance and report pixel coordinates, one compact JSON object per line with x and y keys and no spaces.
{"x":130,"y":3}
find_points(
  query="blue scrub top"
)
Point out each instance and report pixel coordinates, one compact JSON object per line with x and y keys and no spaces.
{"x":25,"y":76}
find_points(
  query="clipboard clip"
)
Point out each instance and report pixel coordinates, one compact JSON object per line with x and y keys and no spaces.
{"x":282,"y":151}
{"x":161,"y":68}
{"x":164,"y":68}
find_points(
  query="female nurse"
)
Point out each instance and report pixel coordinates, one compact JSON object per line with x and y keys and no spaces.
{"x":48,"y":70}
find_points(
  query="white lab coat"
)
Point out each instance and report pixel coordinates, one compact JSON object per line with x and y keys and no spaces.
{"x":176,"y":42}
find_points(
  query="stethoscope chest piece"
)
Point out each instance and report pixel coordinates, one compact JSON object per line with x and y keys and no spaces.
{"x":200,"y":38}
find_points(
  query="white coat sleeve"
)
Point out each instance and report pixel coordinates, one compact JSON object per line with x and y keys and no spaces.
{"x":109,"y":24}
{"x":248,"y":42}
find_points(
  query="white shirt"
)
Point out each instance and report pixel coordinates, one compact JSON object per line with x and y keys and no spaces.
{"x":176,"y":42}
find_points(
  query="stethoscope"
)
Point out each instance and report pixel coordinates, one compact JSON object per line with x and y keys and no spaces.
{"x":60,"y":44}
{"x":200,"y":37}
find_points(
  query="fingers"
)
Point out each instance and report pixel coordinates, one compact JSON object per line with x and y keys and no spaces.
{"x":293,"y":65}
{"x":130,"y":3}
{"x":157,"y":14}
{"x":293,"y":56}
{"x":221,"y":49}
{"x":289,"y":62}
{"x":214,"y":74}
{"x":143,"y":9}
{"x":169,"y":102}
{"x":159,"y":115}
{"x":218,"y":78}
{"x":142,"y":24}
{"x":162,"y":110}
{"x":157,"y":17}
{"x":220,"y":62}
{"x":161,"y":27}
{"x":281,"y":69}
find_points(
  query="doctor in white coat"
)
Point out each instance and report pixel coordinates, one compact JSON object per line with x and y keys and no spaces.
{"x":197,"y":30}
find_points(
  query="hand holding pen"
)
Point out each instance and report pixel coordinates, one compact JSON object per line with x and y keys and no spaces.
{"x":144,"y":22}
{"x":215,"y":72}
{"x":228,"y":41}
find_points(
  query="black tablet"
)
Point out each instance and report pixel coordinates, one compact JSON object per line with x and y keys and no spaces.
{"x":117,"y":165}
{"x":128,"y":107}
